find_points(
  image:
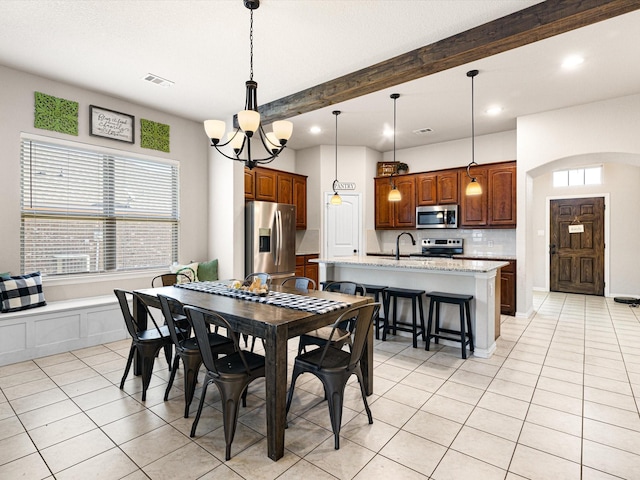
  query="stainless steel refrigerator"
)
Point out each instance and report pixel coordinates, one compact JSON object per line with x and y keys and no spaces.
{"x":270,"y":239}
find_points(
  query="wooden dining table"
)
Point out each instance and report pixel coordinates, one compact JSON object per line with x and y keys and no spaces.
{"x":275,"y":325}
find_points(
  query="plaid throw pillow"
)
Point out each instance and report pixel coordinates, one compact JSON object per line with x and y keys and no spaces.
{"x":21,"y":292}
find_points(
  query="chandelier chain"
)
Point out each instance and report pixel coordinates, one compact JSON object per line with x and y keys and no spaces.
{"x":251,"y":46}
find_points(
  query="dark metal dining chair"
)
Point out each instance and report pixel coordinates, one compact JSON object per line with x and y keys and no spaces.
{"x":168,"y":279}
{"x":299,"y":283}
{"x":231,"y":373}
{"x":320,"y":336}
{"x":147,"y":342}
{"x":334,"y":366}
{"x":187,"y":350}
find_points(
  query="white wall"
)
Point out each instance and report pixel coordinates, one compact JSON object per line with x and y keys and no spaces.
{"x":608,"y":129}
{"x":497,"y":147}
{"x":188,"y":146}
{"x":619,"y":186}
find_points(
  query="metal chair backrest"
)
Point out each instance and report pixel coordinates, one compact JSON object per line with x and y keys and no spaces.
{"x":132,"y":324}
{"x":300,"y":283}
{"x":350,"y":288}
{"x":168,"y":279}
{"x":358,"y":321}
{"x":265,"y":278}
{"x":200,"y":318}
{"x":169,"y":306}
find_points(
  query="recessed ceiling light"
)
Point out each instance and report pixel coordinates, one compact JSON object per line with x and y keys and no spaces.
{"x":572,"y":61}
{"x":156,"y":80}
{"x":495,"y":110}
{"x":423,"y":131}
{"x":315,"y":130}
{"x":388,"y":132}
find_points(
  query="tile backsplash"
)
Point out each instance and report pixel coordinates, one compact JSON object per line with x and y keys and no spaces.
{"x":480,"y":241}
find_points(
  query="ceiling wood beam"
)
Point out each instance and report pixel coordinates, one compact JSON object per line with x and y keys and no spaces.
{"x":532,"y":24}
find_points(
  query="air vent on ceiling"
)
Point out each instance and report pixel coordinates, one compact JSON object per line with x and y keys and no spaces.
{"x":163,"y":82}
{"x":423,"y":131}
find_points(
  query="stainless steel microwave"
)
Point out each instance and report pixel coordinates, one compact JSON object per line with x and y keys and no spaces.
{"x":437,"y":216}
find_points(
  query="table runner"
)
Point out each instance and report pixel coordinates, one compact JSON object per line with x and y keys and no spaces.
{"x":278,"y":299}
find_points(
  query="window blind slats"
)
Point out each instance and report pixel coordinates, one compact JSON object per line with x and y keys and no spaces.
{"x":86,"y":211}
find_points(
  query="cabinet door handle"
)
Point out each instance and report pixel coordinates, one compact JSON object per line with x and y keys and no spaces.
{"x":552,"y":249}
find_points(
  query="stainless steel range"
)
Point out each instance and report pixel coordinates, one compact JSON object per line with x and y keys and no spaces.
{"x":440,"y":247}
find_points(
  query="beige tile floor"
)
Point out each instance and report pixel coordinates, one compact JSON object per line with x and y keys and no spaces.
{"x":558,"y":400}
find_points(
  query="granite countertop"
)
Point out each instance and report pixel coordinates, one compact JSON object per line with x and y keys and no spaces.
{"x":308,"y":252}
{"x":434,"y":264}
{"x":471,"y":256}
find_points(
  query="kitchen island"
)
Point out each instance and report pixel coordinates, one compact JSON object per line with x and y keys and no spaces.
{"x":473,"y":277}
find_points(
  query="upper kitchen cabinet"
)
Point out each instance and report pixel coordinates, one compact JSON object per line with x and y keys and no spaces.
{"x":502,"y":195}
{"x":496,"y":207}
{"x":285,"y":187}
{"x":402,"y":214}
{"x":268,"y":185}
{"x":437,"y":188}
{"x":249,"y":184}
{"x":473,"y":209}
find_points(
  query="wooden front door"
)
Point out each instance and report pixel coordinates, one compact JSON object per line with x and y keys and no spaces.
{"x":577,"y":246}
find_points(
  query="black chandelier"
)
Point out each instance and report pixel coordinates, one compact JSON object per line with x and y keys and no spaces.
{"x":249,"y":121}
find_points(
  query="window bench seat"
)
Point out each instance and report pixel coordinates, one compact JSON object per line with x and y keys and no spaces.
{"x":59,"y":327}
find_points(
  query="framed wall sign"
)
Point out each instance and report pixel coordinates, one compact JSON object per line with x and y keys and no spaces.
{"x":111,"y":124}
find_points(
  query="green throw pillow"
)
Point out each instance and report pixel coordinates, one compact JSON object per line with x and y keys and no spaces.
{"x":208,"y":271}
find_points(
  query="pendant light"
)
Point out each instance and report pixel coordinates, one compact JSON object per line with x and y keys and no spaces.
{"x":473,"y":187}
{"x":335,"y":199}
{"x":249,"y":125}
{"x":394,"y":193}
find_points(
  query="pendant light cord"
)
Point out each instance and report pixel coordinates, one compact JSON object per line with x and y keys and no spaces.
{"x":473,"y":123}
{"x":336,"y":113}
{"x":394,"y":128}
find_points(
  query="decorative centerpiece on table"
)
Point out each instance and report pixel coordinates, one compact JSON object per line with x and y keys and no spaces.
{"x":254,"y":286}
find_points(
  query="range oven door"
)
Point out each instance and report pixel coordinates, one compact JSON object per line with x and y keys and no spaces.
{"x":437,"y":216}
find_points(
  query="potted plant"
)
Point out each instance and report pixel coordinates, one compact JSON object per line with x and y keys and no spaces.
{"x":402,"y":168}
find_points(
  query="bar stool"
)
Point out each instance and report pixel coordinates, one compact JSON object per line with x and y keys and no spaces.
{"x":377,"y":291}
{"x":462,"y":301}
{"x":416,"y":297}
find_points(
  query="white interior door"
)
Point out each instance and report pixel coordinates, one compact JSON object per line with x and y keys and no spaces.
{"x":343,"y":225}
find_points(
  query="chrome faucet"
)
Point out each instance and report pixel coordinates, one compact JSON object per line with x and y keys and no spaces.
{"x":413,"y":241}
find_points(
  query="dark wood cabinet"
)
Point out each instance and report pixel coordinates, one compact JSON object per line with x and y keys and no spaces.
{"x":285,"y":187}
{"x":473,"y":209}
{"x":426,"y":189}
{"x":508,"y":289}
{"x":305,"y":268}
{"x":268,"y":185}
{"x":447,"y":191}
{"x":439,"y":188}
{"x":265,"y":184}
{"x":395,"y":215}
{"x":496,"y":206}
{"x":300,"y":201}
{"x":249,"y":184}
{"x":502,"y":196}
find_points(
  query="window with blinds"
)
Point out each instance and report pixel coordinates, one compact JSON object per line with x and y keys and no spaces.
{"x":91,"y":211}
